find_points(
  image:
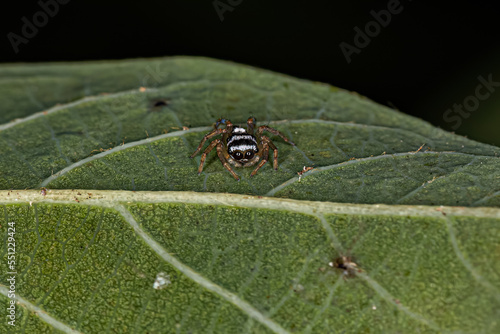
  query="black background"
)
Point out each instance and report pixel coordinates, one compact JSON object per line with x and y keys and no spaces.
{"x":427,"y":58}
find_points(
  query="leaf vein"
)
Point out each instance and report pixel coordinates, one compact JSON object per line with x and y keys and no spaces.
{"x":480,"y":279}
{"x":360,"y":160}
{"x":196,"y":277}
{"x":43,"y":315}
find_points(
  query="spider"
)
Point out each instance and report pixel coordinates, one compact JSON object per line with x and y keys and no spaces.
{"x":240,"y":147}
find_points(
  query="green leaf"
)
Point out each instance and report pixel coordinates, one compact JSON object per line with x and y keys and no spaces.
{"x":59,"y":147}
{"x":375,"y":238}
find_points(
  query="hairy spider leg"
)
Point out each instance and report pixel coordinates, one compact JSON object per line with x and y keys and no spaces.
{"x":251,"y":125}
{"x":219,"y":121}
{"x":265,"y":155}
{"x":204,"y":155}
{"x":275,"y":153}
{"x":223,"y":160}
{"x":263,"y":128}
{"x":224,"y":121}
{"x":213,"y":133}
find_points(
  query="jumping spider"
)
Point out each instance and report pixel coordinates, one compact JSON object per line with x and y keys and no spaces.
{"x":240,"y":147}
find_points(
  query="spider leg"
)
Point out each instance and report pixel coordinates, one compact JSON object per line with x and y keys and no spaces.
{"x":251,"y":125}
{"x":204,"y":155}
{"x":263,"y":128}
{"x":265,"y":154}
{"x":224,"y":162}
{"x":275,"y":153}
{"x":226,"y":122}
{"x":209,"y":135}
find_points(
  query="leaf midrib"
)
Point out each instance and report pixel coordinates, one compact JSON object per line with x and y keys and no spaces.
{"x":108,"y":198}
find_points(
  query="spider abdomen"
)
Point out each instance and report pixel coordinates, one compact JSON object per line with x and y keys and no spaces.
{"x":243,"y":142}
{"x":242,"y":148}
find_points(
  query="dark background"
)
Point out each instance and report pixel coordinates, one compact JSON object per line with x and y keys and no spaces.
{"x":426,"y":59}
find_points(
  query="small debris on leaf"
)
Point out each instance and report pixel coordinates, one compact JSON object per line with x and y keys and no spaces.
{"x":347,"y":265}
{"x":305,"y":169}
{"x":162,"y":281}
{"x":157,"y":104}
{"x":441,"y":210}
{"x":419,"y":148}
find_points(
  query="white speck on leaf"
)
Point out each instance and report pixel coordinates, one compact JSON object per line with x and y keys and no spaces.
{"x":162,"y":281}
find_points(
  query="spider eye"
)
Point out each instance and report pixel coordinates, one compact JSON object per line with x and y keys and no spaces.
{"x":238,"y":155}
{"x":249,"y":155}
